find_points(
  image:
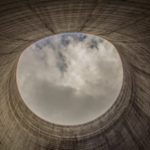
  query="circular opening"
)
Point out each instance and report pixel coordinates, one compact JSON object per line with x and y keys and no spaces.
{"x":70,"y":78}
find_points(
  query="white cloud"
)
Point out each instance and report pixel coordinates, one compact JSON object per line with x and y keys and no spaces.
{"x":70,"y":78}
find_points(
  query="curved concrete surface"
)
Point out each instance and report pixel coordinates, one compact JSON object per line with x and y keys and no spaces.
{"x":126,"y":24}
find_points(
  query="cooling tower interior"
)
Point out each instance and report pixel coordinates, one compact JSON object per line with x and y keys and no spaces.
{"x":126,"y":24}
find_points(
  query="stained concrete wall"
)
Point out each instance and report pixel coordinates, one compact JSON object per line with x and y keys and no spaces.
{"x":126,"y":23}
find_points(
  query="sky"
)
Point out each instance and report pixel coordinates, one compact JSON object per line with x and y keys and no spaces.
{"x":70,"y":78}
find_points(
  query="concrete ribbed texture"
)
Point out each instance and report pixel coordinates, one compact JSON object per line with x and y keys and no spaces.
{"x":126,"y":23}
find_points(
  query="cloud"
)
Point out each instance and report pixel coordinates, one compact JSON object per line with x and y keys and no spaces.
{"x":70,"y":78}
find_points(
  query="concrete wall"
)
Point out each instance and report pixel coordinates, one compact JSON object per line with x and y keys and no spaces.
{"x":126,"y":23}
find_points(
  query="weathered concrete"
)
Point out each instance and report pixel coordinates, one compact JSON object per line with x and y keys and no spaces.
{"x":126,"y":24}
